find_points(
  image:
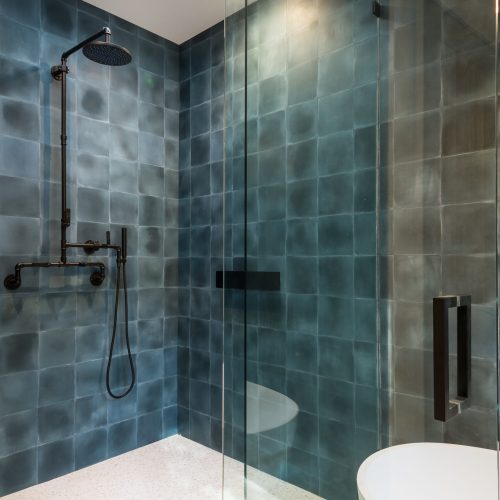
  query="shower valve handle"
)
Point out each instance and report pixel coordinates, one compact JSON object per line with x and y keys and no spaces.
{"x":108,"y":238}
{"x":124,"y":244}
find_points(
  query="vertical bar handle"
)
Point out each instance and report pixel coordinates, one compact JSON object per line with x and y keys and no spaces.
{"x":444,"y":407}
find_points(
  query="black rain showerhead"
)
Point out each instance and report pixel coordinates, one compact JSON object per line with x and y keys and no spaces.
{"x":107,"y":53}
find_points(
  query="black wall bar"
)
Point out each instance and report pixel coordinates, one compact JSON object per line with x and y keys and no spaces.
{"x":251,"y":280}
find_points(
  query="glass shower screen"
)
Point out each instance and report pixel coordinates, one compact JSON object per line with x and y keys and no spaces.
{"x":360,"y":184}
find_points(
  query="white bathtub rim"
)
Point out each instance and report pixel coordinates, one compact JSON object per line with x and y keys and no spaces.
{"x":485,"y":464}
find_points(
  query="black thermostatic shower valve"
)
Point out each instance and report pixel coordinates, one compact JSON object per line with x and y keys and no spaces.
{"x":92,"y":248}
{"x":102,"y":52}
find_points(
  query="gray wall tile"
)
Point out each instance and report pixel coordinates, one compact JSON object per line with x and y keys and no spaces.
{"x":468,"y":178}
{"x":417,"y":89}
{"x":468,"y":127}
{"x":469,"y":76}
{"x":467,"y":228}
{"x":417,"y":137}
{"x":418,"y":184}
{"x":418,"y":231}
{"x":470,"y":275}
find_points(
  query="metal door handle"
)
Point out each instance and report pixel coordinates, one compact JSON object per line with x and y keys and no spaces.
{"x":444,"y":408}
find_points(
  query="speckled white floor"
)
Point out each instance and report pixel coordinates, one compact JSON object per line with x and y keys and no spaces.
{"x":174,"y":469}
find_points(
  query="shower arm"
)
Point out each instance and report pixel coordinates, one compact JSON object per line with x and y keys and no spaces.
{"x":58,"y":71}
{"x":105,"y":32}
{"x":13,"y":281}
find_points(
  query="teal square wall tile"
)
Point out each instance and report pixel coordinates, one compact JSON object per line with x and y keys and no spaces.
{"x":336,"y":153}
{"x":336,"y":71}
{"x":335,"y":235}
{"x":302,"y":121}
{"x":336,"y":112}
{"x":302,"y":160}
{"x":55,"y":459}
{"x":302,"y":237}
{"x":302,"y":83}
{"x":19,"y":471}
{"x":272,"y":94}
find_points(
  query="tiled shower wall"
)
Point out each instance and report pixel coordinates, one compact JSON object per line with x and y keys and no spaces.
{"x":311,"y":216}
{"x":122,"y":163}
{"x":311,"y":210}
{"x":312,"y":110}
{"x":312,"y":100}
{"x":438,"y":202}
{"x":201,"y":236}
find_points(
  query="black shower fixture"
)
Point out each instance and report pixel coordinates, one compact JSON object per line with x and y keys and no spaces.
{"x":107,"y":53}
{"x":102,"y":52}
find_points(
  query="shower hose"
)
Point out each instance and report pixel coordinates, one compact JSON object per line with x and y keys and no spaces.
{"x":120,"y":271}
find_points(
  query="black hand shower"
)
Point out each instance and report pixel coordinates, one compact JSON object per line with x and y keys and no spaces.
{"x":121,"y":260}
{"x":102,"y":52}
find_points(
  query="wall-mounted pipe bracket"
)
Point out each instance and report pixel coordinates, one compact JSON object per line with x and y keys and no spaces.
{"x":58,"y":70}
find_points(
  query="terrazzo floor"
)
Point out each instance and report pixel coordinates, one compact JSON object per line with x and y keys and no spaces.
{"x":174,"y":468}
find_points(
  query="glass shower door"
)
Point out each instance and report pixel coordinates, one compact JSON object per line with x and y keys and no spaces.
{"x":438,"y":227}
{"x":438,"y":215}
{"x":361,"y":184}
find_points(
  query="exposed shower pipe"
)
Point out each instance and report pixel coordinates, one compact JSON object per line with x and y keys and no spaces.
{"x":104,"y":53}
{"x":59,"y":73}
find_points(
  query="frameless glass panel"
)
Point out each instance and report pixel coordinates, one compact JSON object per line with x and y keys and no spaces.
{"x":234,"y":443}
{"x":438,"y":206}
{"x":309,"y":179}
{"x":438,"y":224}
{"x":312,"y":93}
{"x":361,"y":174}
